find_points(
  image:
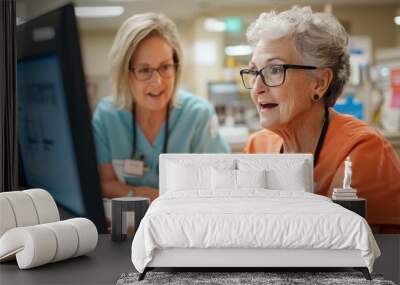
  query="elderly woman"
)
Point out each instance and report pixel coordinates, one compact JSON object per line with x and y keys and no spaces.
{"x":148,"y":115}
{"x":298,"y":70}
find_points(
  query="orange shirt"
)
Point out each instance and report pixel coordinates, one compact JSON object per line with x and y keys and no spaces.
{"x":375,"y":165}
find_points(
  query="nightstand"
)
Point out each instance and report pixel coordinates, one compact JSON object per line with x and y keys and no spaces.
{"x":358,"y":206}
{"x":119,"y":206}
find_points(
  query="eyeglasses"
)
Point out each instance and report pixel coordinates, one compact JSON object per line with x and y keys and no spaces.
{"x":272,"y":75}
{"x":144,"y":72}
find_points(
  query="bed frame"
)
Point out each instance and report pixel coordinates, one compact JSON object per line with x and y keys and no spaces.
{"x":259,"y":259}
{"x":250,"y":259}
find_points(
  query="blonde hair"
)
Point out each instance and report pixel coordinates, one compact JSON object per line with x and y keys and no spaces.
{"x":130,"y":34}
{"x":319,"y":38}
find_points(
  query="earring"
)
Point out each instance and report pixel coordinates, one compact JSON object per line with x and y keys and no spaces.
{"x":315,"y":98}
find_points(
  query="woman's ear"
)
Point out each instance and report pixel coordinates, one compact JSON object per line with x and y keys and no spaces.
{"x":322,"y":81}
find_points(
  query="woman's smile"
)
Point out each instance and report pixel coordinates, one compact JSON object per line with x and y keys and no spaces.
{"x":155,"y":94}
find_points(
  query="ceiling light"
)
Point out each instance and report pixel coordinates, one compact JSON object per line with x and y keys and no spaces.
{"x":397,"y":20}
{"x":238,"y":50}
{"x":214,"y":25}
{"x":98,"y":11}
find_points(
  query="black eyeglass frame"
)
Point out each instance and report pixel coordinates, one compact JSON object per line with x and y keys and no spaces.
{"x":285,"y":67}
{"x":175,"y":65}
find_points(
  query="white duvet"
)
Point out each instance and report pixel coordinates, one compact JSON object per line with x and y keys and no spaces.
{"x":250,"y":219}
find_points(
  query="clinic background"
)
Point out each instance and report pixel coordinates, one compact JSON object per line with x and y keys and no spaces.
{"x":215,"y":49}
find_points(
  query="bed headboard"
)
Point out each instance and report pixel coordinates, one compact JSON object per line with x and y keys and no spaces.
{"x":296,"y":166}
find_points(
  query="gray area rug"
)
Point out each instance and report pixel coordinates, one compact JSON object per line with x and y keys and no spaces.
{"x":229,"y":278}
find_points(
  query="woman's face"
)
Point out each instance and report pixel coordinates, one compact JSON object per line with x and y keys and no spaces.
{"x":155,"y":92}
{"x":279,"y":106}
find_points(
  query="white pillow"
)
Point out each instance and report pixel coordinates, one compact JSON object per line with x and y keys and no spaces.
{"x":226,"y":179}
{"x":251,"y":178}
{"x":294,"y":179}
{"x":187,"y":177}
{"x":283,"y":174}
{"x":223,"y":179}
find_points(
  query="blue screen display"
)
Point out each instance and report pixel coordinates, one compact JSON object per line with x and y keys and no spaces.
{"x":45,"y":136}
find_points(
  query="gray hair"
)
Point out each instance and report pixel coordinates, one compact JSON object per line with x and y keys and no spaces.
{"x":319,"y":38}
{"x":134,"y":30}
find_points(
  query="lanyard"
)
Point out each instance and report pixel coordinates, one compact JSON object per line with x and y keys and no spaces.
{"x":321,"y":137}
{"x":134,"y":133}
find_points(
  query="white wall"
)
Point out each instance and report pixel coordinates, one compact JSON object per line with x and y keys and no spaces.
{"x":95,"y":47}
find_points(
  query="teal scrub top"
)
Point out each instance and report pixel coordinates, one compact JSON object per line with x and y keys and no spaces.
{"x":193,"y":128}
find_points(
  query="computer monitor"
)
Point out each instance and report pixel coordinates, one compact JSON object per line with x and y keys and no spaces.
{"x":55,"y":137}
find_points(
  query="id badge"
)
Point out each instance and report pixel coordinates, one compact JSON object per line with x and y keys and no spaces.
{"x":134,"y":167}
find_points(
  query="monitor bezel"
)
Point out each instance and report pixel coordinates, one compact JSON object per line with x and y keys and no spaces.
{"x":66,"y":45}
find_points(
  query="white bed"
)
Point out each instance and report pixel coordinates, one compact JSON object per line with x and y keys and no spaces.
{"x":247,"y":211}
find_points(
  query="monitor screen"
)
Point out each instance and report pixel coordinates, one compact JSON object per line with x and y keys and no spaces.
{"x":45,"y":133}
{"x":55,"y":138}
